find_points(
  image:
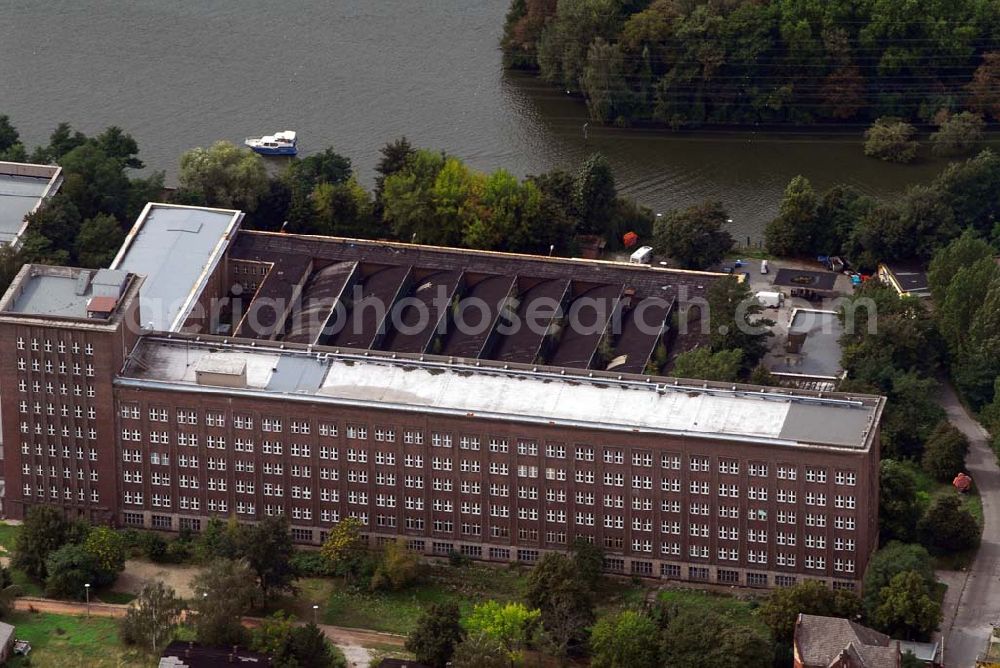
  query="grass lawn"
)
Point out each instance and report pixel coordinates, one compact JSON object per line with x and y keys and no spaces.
{"x":8,"y":533}
{"x":929,"y":489}
{"x":61,"y":640}
{"x":727,"y":607}
{"x":397,"y":612}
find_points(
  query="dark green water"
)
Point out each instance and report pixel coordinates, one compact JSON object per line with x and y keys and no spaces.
{"x":354,"y":74}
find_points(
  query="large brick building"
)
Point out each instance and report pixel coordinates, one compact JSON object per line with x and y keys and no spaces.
{"x":124,"y":401}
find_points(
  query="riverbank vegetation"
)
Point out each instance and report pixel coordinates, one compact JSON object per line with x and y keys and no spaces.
{"x":685,"y":64}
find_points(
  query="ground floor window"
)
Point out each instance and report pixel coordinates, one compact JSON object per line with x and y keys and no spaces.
{"x":670,"y":570}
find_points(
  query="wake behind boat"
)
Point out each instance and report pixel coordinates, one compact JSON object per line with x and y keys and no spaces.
{"x":280,"y":143}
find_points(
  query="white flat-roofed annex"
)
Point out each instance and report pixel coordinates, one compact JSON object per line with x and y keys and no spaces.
{"x":176,"y":248}
{"x":691,"y":408}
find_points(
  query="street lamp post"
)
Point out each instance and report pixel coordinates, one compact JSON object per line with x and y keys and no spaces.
{"x":86,"y":588}
{"x":315,"y":614}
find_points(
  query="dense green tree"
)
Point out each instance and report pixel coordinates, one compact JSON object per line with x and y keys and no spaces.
{"x":98,"y":241}
{"x":736,"y":320}
{"x":563,"y":44}
{"x":152,"y":618}
{"x":695,"y":237}
{"x":408,"y":205}
{"x":223,"y":592}
{"x":963,"y":251}
{"x":44,"y":531}
{"x":838,"y":210}
{"x":437,"y":634}
{"x":944,"y":452}
{"x":271,"y":636}
{"x":783,"y":606}
{"x":62,"y":140}
{"x":906,"y":608}
{"x":395,"y":155}
{"x":969,"y":189}
{"x":481,"y":651}
{"x":397,"y":567}
{"x":8,"y":591}
{"x":219,"y":540}
{"x":794,"y":231}
{"x":751,"y":62}
{"x":345,"y":547}
{"x":120,"y":145}
{"x":948,"y":527}
{"x":594,"y":195}
{"x":107,"y":546}
{"x":58,"y":220}
{"x":899,"y":507}
{"x":267,"y":548}
{"x":624,"y":640}
{"x":71,"y":567}
{"x":886,"y":563}
{"x":696,"y":639}
{"x":564,"y":598}
{"x":604,"y":82}
{"x":984,"y":88}
{"x":958,"y":134}
{"x":703,"y":364}
{"x":962,"y":301}
{"x":308,"y":646}
{"x":225,"y":175}
{"x":95,"y":182}
{"x":512,"y":625}
{"x":891,"y":139}
{"x":8,"y":133}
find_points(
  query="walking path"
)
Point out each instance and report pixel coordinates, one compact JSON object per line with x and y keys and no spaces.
{"x":973,"y":601}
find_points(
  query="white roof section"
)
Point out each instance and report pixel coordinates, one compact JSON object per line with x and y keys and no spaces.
{"x":23,"y":188}
{"x":682,"y":408}
{"x":176,"y":248}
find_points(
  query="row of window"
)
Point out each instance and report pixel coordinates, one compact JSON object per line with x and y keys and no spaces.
{"x":66,"y":495}
{"x":49,"y":367}
{"x":59,"y":346}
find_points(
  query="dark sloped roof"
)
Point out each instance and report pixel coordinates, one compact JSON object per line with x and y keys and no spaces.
{"x":820,"y":640}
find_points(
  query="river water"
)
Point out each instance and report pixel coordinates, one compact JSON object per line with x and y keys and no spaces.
{"x":353,"y":74}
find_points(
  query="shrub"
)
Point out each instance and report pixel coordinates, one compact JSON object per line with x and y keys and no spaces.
{"x":958,"y":134}
{"x":311,"y":563}
{"x":891,"y":139}
{"x":944,"y":452}
{"x":947,"y":527}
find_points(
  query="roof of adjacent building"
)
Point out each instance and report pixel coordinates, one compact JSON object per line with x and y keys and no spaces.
{"x":819,"y":356}
{"x":23,"y":187}
{"x":788,"y":277}
{"x":822,"y":641}
{"x":330,"y":270}
{"x":176,"y":248}
{"x":179,"y":654}
{"x":517,"y":393}
{"x":60,"y":292}
{"x":909,"y":278}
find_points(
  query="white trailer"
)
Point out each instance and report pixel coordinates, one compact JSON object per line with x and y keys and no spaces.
{"x":770,"y":299}
{"x":642,"y":255}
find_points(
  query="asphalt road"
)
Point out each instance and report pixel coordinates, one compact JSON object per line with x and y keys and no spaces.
{"x":979,"y":599}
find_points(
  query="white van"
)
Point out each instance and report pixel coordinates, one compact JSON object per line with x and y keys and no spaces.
{"x":770,"y":299}
{"x":642,"y":255}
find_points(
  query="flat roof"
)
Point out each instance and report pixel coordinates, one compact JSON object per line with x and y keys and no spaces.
{"x":23,"y":187}
{"x":911,"y":276}
{"x":176,"y":248}
{"x":55,"y":292}
{"x":820,"y":354}
{"x":543,"y":396}
{"x":788,"y":277}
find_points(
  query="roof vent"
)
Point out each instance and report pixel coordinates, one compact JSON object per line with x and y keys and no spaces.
{"x":221,"y":369}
